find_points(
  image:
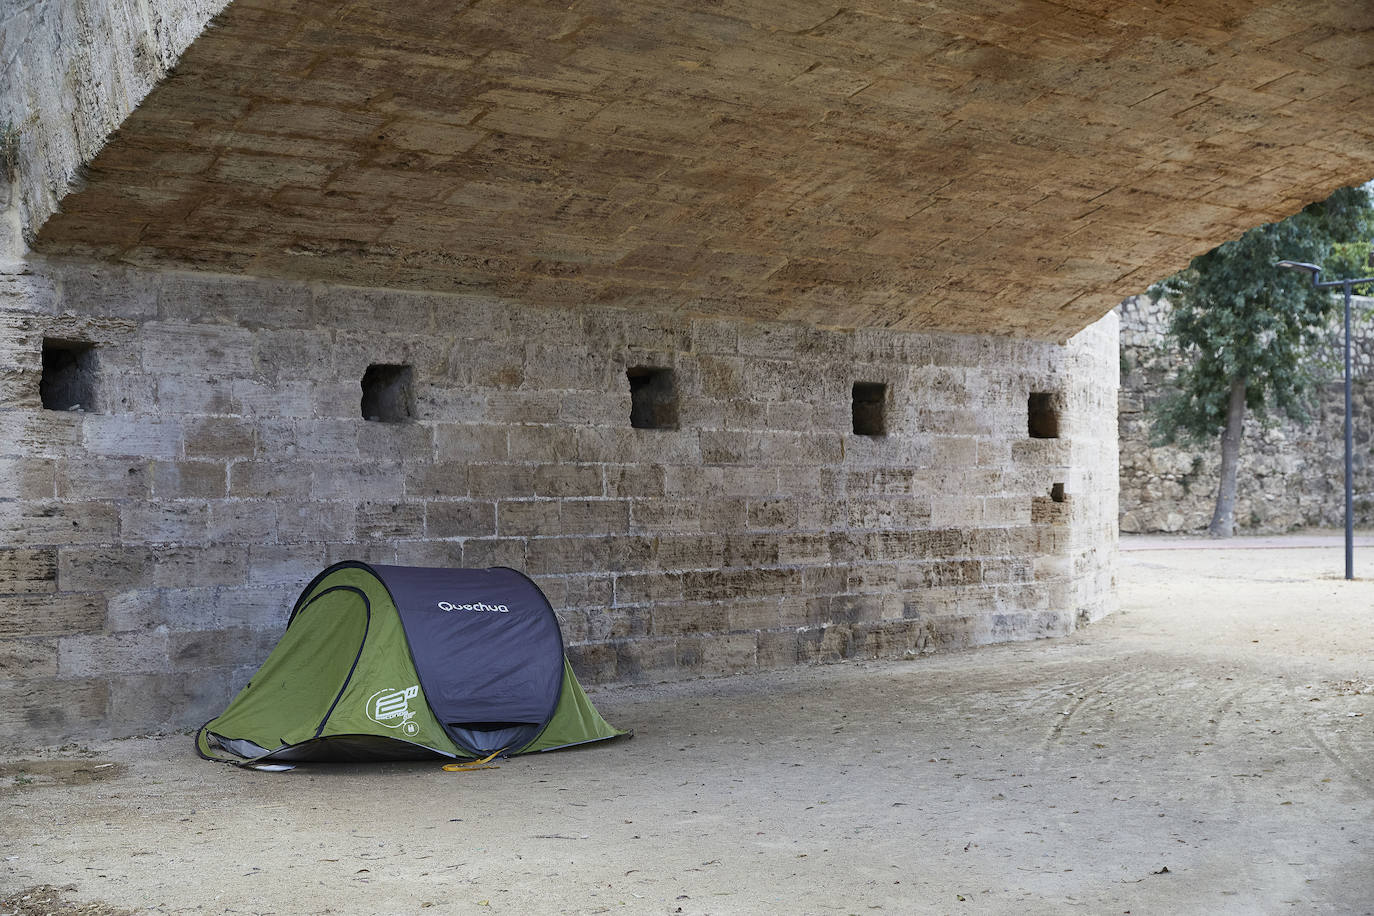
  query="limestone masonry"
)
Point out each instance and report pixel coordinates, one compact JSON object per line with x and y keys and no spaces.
{"x":160,"y":533}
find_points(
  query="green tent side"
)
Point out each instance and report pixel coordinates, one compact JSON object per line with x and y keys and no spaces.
{"x":575,"y":721}
{"x":342,"y":685}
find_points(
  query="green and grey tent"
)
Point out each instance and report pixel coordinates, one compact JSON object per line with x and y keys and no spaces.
{"x":397,"y":662}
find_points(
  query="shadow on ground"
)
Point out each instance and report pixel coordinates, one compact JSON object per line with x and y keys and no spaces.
{"x":1210,"y":749}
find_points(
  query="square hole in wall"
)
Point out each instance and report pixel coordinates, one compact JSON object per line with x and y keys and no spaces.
{"x":653,"y":398}
{"x":1042,"y":412}
{"x":68,"y":380}
{"x":870,"y":409}
{"x":388,"y":393}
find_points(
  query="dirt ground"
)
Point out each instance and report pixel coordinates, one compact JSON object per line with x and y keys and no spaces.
{"x":1210,"y":749}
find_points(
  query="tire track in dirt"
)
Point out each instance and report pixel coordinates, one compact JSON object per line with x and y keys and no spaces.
{"x":1364,"y":781}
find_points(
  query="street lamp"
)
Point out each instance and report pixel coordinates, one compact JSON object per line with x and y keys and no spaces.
{"x":1346,"y":285}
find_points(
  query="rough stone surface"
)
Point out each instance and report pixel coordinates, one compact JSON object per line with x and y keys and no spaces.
{"x":1006,"y":167}
{"x":160,"y":536}
{"x":1291,"y":475}
{"x":72,"y":70}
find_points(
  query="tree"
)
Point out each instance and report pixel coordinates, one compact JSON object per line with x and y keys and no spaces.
{"x":1245,"y":332}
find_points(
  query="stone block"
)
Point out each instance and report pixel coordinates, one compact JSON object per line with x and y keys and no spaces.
{"x":714,"y":336}
{"x":289,"y":566}
{"x":165,"y":522}
{"x":647,"y":588}
{"x":726,"y":584}
{"x":144,"y":703}
{"x":190,"y":480}
{"x":27,"y":478}
{"x":325,"y":440}
{"x":391,"y":442}
{"x":53,"y":708}
{"x":767,"y":514}
{"x":718,"y":654}
{"x":665,"y":515}
{"x":461,"y":519}
{"x":202,"y":610}
{"x":482,"y":552}
{"x":269,"y":479}
{"x":691,"y":551}
{"x":566,"y":555}
{"x":440,"y":554}
{"x":750,"y":550}
{"x":92,"y":478}
{"x":220,"y":437}
{"x":350,"y":481}
{"x":135,"y":609}
{"x":500,"y":481}
{"x":308,"y":522}
{"x":117,"y":653}
{"x":134,"y":436}
{"x":243,"y":521}
{"x":390,"y":521}
{"x":37,"y":434}
{"x":594,"y":408}
{"x":28,"y":570}
{"x":543,"y":443}
{"x":568,"y":480}
{"x":441,"y":480}
{"x":287,"y":400}
{"x":631,"y":553}
{"x":777,"y":648}
{"x":626,"y":481}
{"x":100,"y":568}
{"x":56,"y":522}
{"x":215,"y":349}
{"x":677,"y":618}
{"x":589,"y":591}
{"x":183,"y":395}
{"x":529,"y":518}
{"x":803,"y":549}
{"x":647,"y":660}
{"x":28,"y":658}
{"x":512,"y":407}
{"x":388,"y":553}
{"x":594,"y":516}
{"x":198,"y":650}
{"x":593,"y":663}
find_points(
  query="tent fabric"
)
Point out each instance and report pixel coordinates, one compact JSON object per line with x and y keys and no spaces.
{"x":392,"y":662}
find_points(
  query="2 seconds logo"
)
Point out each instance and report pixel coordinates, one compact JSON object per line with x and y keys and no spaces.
{"x":479,"y":606}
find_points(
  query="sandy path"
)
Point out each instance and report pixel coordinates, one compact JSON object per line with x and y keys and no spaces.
{"x":1221,"y":726}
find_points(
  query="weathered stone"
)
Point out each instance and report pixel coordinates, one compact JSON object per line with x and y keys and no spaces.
{"x":32,"y":707}
{"x":28,"y":571}
{"x":769,"y":534}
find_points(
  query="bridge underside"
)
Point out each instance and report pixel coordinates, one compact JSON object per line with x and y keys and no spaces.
{"x":1004,"y":167}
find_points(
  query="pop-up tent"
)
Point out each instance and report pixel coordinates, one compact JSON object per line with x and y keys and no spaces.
{"x":398,"y":662}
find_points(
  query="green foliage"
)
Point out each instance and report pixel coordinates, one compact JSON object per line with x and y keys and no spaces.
{"x":1236,"y":316}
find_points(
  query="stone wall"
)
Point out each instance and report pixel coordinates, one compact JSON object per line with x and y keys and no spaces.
{"x":155,"y":537}
{"x":1290,"y":475}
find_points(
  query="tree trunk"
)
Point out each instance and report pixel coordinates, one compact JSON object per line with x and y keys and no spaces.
{"x":1224,"y":517}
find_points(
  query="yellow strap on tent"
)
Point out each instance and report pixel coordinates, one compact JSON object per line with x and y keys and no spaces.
{"x":483,"y":764}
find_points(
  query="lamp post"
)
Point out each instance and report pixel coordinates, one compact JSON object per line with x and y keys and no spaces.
{"x":1346,"y":285}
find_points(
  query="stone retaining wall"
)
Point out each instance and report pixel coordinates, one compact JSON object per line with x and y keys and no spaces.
{"x":1290,"y":475}
{"x":155,"y":538}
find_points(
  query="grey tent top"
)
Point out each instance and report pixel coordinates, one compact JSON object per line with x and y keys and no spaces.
{"x":486,"y":646}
